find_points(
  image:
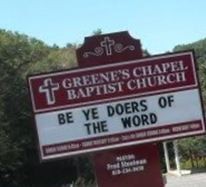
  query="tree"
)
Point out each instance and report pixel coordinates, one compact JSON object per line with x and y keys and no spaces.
{"x":191,"y":147}
{"x":97,"y":32}
{"x":21,"y":55}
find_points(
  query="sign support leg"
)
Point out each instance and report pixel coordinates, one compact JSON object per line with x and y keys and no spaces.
{"x":177,"y":158}
{"x":167,"y":161}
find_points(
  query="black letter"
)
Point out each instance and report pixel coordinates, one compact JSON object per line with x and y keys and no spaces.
{"x":61,"y":119}
{"x":110,"y":111}
{"x":126,"y":122}
{"x":143,"y":104}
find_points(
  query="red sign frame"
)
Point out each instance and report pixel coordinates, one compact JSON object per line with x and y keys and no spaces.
{"x":119,"y":82}
{"x":60,"y":81}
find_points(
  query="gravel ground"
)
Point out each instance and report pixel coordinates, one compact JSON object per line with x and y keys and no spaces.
{"x":192,"y":180}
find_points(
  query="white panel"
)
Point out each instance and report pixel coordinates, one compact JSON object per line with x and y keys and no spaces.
{"x":185,"y":107}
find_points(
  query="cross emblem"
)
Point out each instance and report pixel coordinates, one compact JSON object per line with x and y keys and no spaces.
{"x":107,"y":44}
{"x":49,"y":88}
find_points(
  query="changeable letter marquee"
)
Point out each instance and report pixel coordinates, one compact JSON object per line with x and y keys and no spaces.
{"x":114,"y":105}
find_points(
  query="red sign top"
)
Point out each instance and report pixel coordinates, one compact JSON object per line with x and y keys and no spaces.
{"x":104,"y":83}
{"x":108,"y":48}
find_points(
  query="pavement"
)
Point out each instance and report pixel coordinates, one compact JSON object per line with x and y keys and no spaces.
{"x":192,"y":180}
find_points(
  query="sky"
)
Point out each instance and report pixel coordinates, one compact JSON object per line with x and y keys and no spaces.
{"x":159,"y":24}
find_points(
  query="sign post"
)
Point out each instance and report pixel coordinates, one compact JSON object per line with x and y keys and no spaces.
{"x":134,"y":166}
{"x":115,"y":99}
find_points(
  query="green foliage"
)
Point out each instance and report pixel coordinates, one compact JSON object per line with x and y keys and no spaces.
{"x":57,"y":59}
{"x":191,"y":148}
{"x":146,"y":53}
{"x":193,"y":152}
{"x":21,"y":55}
{"x":193,"y":145}
{"x":200,"y":53}
{"x":97,"y":32}
{"x":199,"y":47}
{"x":198,"y":164}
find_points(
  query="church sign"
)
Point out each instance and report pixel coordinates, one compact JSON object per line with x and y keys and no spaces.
{"x":113,"y":105}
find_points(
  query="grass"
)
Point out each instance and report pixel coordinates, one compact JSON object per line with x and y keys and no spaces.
{"x":198,"y":163}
